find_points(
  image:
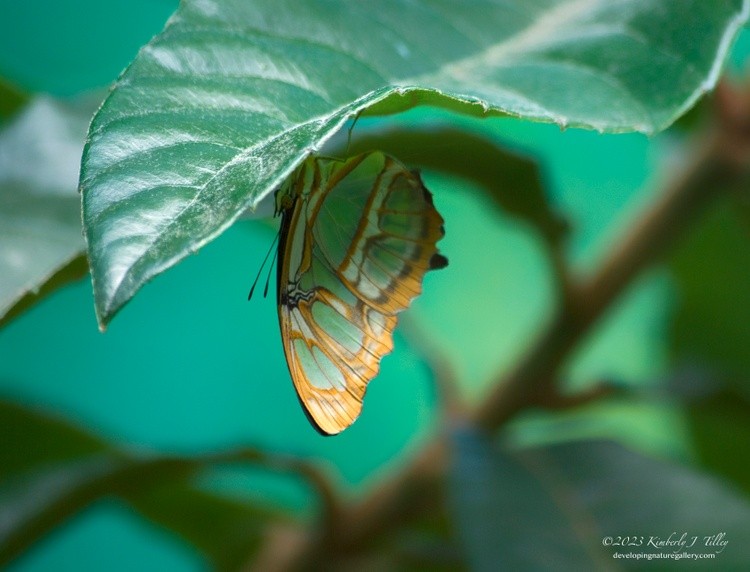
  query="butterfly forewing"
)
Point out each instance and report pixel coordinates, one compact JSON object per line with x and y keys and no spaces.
{"x":356,"y":242}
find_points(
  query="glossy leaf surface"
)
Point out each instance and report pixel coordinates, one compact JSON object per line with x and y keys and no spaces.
{"x":219,"y":109}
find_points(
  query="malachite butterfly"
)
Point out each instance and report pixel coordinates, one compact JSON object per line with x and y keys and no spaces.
{"x":356,"y":239}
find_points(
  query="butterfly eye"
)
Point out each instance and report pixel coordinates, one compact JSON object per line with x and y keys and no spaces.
{"x":286,"y":202}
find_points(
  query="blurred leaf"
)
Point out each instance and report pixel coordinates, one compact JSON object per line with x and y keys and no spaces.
{"x":40,"y":237}
{"x":511,"y":181}
{"x":550,"y":508}
{"x":507,"y":519}
{"x":31,"y":439}
{"x":33,"y":504}
{"x":11,"y":99}
{"x":429,"y":542}
{"x":744,"y":207}
{"x":41,"y":148}
{"x":74,"y":270}
{"x":227,"y":531}
{"x":41,"y":244}
{"x":720,"y":427}
{"x":407,"y":547}
{"x":711,"y":270}
{"x":218,"y":110}
{"x":51,"y":470}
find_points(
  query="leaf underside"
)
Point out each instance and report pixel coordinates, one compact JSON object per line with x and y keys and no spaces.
{"x":219,"y":109}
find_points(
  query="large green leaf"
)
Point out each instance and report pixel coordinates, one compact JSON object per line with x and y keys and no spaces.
{"x":558,"y":508}
{"x":216,"y":111}
{"x":34,"y":503}
{"x":34,"y":439}
{"x":41,"y":244}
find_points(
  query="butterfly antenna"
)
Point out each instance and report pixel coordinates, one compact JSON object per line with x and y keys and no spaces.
{"x":349,"y":134}
{"x":260,"y":270}
{"x":268,"y":278}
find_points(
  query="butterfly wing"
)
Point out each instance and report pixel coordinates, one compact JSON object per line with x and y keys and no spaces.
{"x":356,"y":245}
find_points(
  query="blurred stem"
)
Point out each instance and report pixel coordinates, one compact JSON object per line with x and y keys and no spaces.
{"x":330,"y":508}
{"x":561,"y":272}
{"x":705,"y":176}
{"x":550,"y":396}
{"x":720,"y":162}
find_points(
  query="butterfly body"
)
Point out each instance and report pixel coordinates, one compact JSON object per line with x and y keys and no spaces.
{"x":357,"y":237}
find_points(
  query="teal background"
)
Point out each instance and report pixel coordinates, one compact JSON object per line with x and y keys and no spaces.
{"x":190,"y":366}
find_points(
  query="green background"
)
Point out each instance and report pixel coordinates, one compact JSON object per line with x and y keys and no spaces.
{"x":191,"y":366}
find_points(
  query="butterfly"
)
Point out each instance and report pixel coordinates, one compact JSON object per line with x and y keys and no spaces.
{"x":356,"y":239}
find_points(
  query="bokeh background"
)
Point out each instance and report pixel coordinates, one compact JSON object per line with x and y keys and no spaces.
{"x":190,"y":366}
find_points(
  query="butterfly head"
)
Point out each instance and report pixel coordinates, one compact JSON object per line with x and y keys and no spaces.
{"x":284,"y":199}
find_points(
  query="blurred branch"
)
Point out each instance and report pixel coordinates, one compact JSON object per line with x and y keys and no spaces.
{"x":551,"y":397}
{"x":119,"y":476}
{"x":719,"y":162}
{"x":95,"y":483}
{"x":317,"y":479}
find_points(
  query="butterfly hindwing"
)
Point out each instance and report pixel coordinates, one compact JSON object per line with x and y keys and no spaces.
{"x":357,"y":238}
